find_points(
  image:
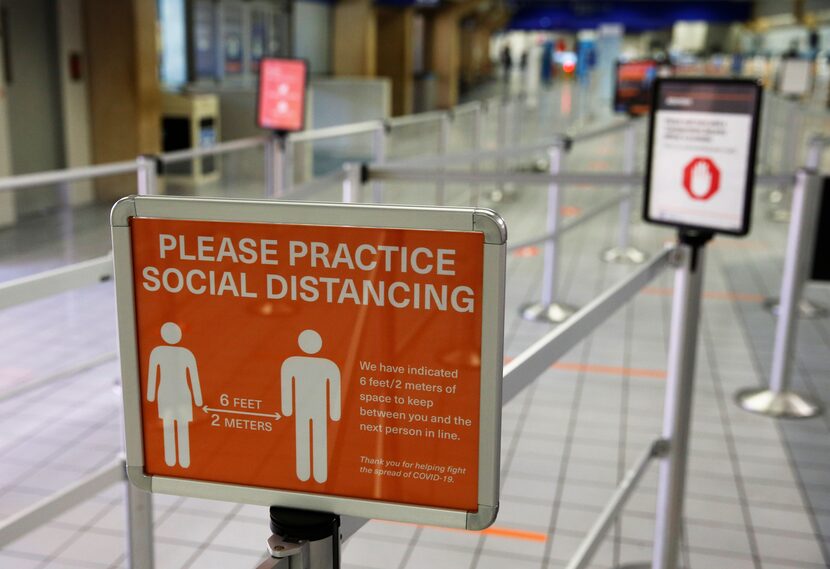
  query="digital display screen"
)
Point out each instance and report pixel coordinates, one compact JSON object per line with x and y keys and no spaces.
{"x":281,"y":99}
{"x":701,"y":163}
{"x":632,"y":93}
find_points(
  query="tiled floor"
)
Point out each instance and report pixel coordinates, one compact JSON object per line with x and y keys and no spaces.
{"x":758,"y":493}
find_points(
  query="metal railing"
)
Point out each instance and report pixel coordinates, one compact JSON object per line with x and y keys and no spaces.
{"x":66,"y":175}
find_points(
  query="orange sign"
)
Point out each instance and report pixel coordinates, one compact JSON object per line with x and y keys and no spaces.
{"x":331,"y":360}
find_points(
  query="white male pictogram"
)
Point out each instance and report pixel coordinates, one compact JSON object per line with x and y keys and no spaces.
{"x":171,"y":368}
{"x":311,"y":392}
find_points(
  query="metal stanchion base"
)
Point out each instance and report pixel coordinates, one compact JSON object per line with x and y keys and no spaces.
{"x":807,"y":309}
{"x":775,"y":197}
{"x":623,"y":256}
{"x":780,"y":215}
{"x":506,"y":195}
{"x":785,"y":405}
{"x":541,"y":165}
{"x":554,"y":313}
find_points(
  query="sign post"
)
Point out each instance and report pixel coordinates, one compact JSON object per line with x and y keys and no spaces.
{"x":301,"y":355}
{"x":280,"y":109}
{"x":699,"y":179}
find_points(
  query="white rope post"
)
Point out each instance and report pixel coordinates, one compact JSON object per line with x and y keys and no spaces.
{"x":443,"y":148}
{"x":352,"y":182}
{"x":147,"y":175}
{"x":778,"y":400}
{"x":379,"y":144}
{"x":275,"y":166}
{"x":549,"y":310}
{"x":623,"y":252}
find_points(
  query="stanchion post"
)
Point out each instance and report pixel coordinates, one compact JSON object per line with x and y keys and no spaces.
{"x":352,"y":182}
{"x":478,"y":131}
{"x":139,"y":528}
{"x":806,"y":308}
{"x":443,"y":147}
{"x":767,"y":127}
{"x":138,"y":513}
{"x":275,"y":165}
{"x":623,"y":252}
{"x":379,"y":143}
{"x":778,"y":400}
{"x":503,"y":121}
{"x":551,"y":259}
{"x":288,"y":161}
{"x":788,"y":161}
{"x":629,"y":155}
{"x":549,"y":310}
{"x":147,"y":175}
{"x":677,"y":415}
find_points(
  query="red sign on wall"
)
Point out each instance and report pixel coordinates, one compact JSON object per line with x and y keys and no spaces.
{"x":281,"y":98}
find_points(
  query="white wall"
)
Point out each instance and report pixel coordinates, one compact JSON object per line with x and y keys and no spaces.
{"x":74,"y":98}
{"x":34,"y":112}
{"x":312,"y":23}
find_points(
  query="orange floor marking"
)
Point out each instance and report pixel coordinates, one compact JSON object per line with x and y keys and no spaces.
{"x":516,"y":534}
{"x":710,"y":294}
{"x":610,"y":370}
{"x":495,"y":531}
{"x":530,"y":251}
{"x":570,"y":211}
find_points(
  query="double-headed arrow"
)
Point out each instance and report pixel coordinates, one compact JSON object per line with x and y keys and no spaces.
{"x":275,"y":415}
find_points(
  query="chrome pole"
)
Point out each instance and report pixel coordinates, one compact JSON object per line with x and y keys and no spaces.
{"x":147,"y":175}
{"x":502,"y":132}
{"x":274,"y":166}
{"x":139,"y":511}
{"x":288,"y":161}
{"x":677,"y":417}
{"x":789,"y":159}
{"x":806,"y":307}
{"x":623,"y":252}
{"x":351,"y":183}
{"x":379,"y":143}
{"x":139,"y":528}
{"x":778,"y":400}
{"x":551,"y":259}
{"x":443,"y":148}
{"x":548,"y":310}
{"x":478,"y":130}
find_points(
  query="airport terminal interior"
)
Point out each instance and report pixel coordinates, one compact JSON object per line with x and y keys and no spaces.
{"x":636,"y":416}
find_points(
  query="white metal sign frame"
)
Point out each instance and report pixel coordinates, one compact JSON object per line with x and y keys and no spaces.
{"x":325,"y":214}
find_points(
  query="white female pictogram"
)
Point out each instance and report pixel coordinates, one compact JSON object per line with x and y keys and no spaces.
{"x":173,"y":379}
{"x":311,"y":392}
